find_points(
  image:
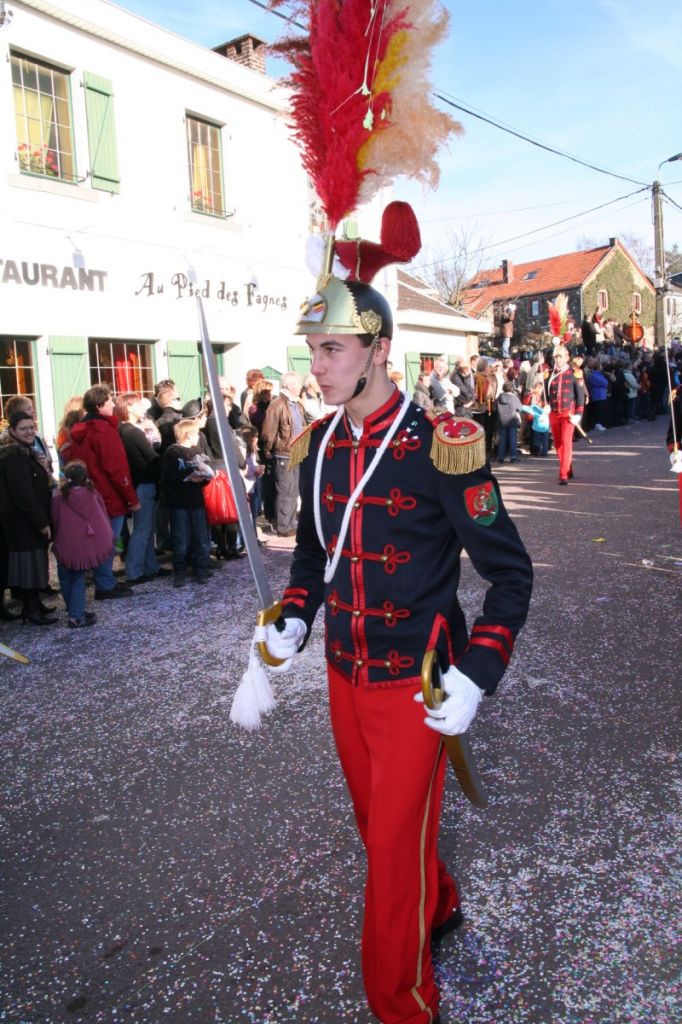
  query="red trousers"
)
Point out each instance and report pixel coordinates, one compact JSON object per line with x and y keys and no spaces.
{"x":562,"y":435}
{"x":395,"y":767}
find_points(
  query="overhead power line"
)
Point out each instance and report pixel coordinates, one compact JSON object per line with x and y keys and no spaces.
{"x":518,"y":209}
{"x":545,"y":227}
{"x":671,"y":201}
{"x":534,"y":142}
{"x":490,"y":120}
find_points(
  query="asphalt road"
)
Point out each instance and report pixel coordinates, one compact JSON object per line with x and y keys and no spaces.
{"x":159,"y":865}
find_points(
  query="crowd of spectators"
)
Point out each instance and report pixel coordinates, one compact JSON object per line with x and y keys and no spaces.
{"x":508,"y":397}
{"x":128,"y":483}
{"x":131,"y":470}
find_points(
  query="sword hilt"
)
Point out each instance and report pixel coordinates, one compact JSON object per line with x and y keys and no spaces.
{"x":267,"y":617}
{"x":457,"y":748}
{"x":432,"y":686}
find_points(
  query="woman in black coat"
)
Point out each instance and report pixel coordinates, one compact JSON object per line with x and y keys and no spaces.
{"x":25,"y":516}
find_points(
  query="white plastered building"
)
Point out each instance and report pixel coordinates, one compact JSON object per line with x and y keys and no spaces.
{"x":127,"y":156}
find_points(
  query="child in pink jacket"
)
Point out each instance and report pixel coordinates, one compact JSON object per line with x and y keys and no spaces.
{"x":83,"y":538}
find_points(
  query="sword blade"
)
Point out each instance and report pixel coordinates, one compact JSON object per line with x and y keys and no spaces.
{"x":14,"y":655}
{"x":462,"y":760}
{"x":458,"y":748}
{"x":227,"y":445}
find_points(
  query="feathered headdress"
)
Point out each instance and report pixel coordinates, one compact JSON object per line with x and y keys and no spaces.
{"x":361,"y":107}
{"x":558,"y":315}
{"x":362,"y":115}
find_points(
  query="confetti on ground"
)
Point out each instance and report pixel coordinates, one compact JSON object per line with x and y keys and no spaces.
{"x":161,"y":866}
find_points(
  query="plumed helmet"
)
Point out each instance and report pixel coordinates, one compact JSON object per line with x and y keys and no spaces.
{"x":346,"y":307}
{"x":345,"y":302}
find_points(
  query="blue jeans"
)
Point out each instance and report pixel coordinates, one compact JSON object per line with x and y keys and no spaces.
{"x":103,"y":575}
{"x":506,"y":441}
{"x":255,"y":499}
{"x":191,"y":541}
{"x":141,"y":555}
{"x":541,"y":442}
{"x":72,"y":582}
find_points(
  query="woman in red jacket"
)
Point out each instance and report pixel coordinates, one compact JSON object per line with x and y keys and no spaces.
{"x":95,"y":440}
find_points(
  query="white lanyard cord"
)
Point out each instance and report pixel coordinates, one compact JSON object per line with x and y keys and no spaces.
{"x":332,"y":564}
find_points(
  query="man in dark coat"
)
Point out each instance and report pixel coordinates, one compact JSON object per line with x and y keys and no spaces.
{"x":463,"y":378}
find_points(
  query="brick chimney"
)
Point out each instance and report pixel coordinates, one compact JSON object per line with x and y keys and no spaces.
{"x":613,"y":242}
{"x":507,"y":271}
{"x":246,"y":50}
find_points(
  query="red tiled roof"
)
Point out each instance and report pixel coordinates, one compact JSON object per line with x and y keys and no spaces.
{"x":550,"y":275}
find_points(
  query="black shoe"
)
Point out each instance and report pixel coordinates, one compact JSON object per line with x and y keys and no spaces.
{"x":180,"y":581}
{"x":7,"y":616}
{"x":570,"y":473}
{"x":115,"y":592}
{"x":49,"y":589}
{"x":163,"y":572}
{"x":140,"y":579}
{"x":46,"y":609}
{"x":90,"y":618}
{"x":80,"y":623}
{"x":35,"y":616}
{"x":202,"y":579}
{"x":450,"y":925}
{"x":563,"y":483}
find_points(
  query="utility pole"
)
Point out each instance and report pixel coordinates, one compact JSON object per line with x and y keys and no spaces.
{"x":660,"y":283}
{"x":660,"y":277}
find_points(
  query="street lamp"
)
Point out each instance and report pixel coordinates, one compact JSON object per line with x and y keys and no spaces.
{"x":660,"y":330}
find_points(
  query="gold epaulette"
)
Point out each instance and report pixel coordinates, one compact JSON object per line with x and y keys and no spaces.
{"x":458,"y":445}
{"x":300,"y":446}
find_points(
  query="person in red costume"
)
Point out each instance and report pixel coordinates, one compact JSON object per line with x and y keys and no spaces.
{"x":390,"y":497}
{"x":566,"y":404}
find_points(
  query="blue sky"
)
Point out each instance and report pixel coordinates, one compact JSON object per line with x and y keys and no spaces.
{"x":599,"y":79}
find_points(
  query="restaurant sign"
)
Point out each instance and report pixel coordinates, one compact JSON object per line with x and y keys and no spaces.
{"x":248,"y":294}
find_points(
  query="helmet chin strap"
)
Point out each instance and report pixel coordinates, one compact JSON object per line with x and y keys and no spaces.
{"x":362,"y":381}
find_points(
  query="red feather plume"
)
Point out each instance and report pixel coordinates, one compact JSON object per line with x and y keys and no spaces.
{"x":361,"y":108}
{"x":329,"y":102}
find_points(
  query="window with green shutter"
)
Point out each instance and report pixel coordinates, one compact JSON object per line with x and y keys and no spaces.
{"x":69,"y":366}
{"x":299,"y":359}
{"x":42,"y":113}
{"x":99,"y":107}
{"x":412,"y":371}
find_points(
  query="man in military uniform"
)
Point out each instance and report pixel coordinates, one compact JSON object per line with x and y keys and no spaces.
{"x":566,"y":403}
{"x":391,"y":496}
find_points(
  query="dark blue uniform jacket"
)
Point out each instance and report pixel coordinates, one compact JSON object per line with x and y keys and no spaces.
{"x":394,"y":592}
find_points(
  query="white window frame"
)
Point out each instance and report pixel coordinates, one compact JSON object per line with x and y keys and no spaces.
{"x":204,"y":151}
{"x":43,"y":116}
{"x":105,"y":372}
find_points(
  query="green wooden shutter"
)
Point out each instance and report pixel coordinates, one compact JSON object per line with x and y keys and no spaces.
{"x":99,"y":107}
{"x":184,"y":367}
{"x":70,"y":373}
{"x":299,"y":359}
{"x":412,"y":368}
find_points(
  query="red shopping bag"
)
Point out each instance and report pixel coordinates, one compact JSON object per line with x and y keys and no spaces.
{"x":219,"y":501}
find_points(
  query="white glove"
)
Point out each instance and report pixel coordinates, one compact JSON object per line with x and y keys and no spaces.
{"x":676,"y":461}
{"x":575,"y":419}
{"x":284,"y":644}
{"x":459,"y":708}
